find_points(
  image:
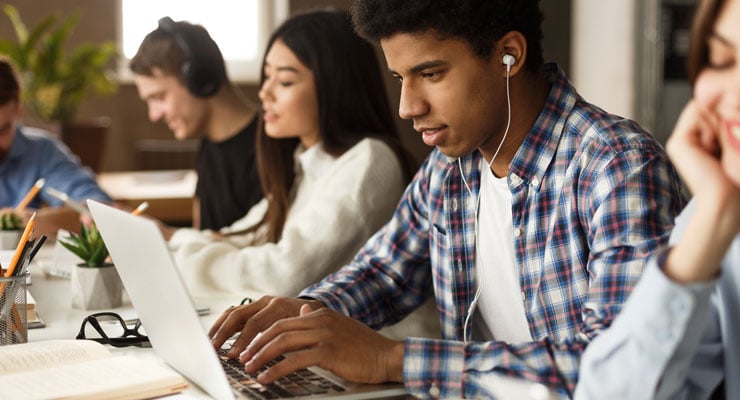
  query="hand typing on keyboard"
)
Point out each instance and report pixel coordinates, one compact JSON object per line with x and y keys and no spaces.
{"x":303,"y":382}
{"x":305,"y":334}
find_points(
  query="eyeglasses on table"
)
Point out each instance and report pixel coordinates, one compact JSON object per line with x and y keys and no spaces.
{"x":110,"y":328}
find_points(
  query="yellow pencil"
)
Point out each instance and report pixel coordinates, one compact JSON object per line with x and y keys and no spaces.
{"x":141,"y":208}
{"x":15,"y":319}
{"x":21,"y":244}
{"x":30,"y":195}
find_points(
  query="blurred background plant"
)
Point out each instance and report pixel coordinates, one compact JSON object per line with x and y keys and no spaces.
{"x":10,"y":220}
{"x":57,"y":77}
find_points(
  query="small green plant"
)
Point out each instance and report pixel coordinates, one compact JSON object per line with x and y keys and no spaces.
{"x":88,"y":245}
{"x":10,"y":220}
{"x":57,"y":77}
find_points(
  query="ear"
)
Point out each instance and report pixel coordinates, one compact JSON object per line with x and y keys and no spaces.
{"x":514,"y":44}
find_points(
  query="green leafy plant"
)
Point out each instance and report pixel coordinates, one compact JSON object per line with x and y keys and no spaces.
{"x":88,"y":245}
{"x":10,"y":220}
{"x":56,"y":80}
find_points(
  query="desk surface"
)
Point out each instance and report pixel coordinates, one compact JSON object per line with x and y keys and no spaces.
{"x":148,"y":185}
{"x":169,"y":193}
{"x":53,"y":301}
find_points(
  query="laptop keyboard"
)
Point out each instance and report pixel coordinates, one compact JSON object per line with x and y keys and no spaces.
{"x":300,"y":383}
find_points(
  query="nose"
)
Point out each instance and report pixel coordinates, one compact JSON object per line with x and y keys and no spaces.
{"x":412,"y":103}
{"x":265,"y":91}
{"x":156,"y":112}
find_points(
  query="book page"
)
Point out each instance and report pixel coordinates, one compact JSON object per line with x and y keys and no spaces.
{"x":27,"y":356}
{"x":119,"y":377}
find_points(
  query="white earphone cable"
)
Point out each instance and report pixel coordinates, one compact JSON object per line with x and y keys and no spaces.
{"x":474,"y":303}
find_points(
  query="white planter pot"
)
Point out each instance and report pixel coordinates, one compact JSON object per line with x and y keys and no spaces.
{"x":96,"y":288}
{"x":9,"y":239}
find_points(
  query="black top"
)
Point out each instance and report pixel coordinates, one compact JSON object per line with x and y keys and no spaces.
{"x":228,"y":183}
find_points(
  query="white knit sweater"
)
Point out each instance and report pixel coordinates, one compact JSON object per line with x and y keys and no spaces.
{"x":339,"y":203}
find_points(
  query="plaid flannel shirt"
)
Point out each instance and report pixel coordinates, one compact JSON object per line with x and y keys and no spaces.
{"x":593,"y":196}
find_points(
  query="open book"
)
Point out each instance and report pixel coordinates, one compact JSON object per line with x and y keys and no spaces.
{"x":81,"y":369}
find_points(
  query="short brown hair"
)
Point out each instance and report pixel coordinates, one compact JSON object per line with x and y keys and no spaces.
{"x":10,"y":82}
{"x":160,"y":50}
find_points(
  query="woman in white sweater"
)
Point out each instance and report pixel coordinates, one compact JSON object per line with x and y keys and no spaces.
{"x":329,"y":162}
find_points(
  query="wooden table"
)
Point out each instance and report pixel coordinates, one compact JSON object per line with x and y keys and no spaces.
{"x":169,"y":193}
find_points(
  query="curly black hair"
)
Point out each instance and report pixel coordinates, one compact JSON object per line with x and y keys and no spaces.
{"x":480,"y":22}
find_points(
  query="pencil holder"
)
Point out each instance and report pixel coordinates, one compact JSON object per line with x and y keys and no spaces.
{"x":13,"y":317}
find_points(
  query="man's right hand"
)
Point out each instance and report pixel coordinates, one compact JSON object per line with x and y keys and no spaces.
{"x":250,"y":319}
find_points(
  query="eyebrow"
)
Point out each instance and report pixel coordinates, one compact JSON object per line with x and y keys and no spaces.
{"x":287,"y":68}
{"x":291,"y":69}
{"x":422,"y":66}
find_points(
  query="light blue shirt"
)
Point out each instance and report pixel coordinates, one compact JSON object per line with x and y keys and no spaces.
{"x":670,"y":341}
{"x":35,"y":154}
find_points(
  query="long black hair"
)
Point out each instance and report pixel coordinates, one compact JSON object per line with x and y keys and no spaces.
{"x":351,"y":96}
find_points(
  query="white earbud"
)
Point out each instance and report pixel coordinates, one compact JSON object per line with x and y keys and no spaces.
{"x":508,"y":60}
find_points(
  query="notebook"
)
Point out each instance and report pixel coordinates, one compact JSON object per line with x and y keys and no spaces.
{"x":168,"y":315}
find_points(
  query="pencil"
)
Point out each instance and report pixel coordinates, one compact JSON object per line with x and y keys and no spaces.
{"x":141,"y":208}
{"x":30,"y":195}
{"x":21,"y":245}
{"x":67,"y":201}
{"x":16,"y":318}
{"x":36,"y":247}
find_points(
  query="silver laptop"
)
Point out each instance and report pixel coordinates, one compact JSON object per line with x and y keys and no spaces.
{"x":168,"y":315}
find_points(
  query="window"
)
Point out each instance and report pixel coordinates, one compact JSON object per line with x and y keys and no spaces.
{"x":240,"y":27}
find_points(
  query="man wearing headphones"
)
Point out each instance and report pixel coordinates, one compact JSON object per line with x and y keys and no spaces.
{"x":181,"y":75}
{"x":532,"y":216}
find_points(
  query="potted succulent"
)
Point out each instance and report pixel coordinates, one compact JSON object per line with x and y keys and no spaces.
{"x":95,"y":281}
{"x":11,"y":229}
{"x":57,"y":77}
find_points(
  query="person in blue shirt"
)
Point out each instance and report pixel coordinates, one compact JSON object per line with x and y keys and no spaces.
{"x":27,"y":154}
{"x":677,"y":336}
{"x":530,"y":220}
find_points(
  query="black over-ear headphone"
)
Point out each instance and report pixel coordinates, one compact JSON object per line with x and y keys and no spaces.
{"x":202,"y":77}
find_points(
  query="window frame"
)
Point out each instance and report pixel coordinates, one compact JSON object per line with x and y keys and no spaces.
{"x":272,"y":13}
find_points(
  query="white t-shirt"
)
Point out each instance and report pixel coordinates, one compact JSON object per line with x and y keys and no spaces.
{"x":500,"y":311}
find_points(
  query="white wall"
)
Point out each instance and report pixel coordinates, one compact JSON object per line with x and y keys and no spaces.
{"x":603,"y":53}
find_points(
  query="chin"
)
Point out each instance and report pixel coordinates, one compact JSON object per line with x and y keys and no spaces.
{"x":182,"y":135}
{"x":277,"y":134}
{"x":454,"y":152}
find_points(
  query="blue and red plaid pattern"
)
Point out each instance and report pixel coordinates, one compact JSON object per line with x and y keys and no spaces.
{"x":593,"y":196}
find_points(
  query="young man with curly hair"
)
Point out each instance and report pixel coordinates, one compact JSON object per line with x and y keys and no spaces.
{"x":530,"y":219}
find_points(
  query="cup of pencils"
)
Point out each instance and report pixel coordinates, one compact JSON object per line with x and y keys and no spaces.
{"x":13,"y":316}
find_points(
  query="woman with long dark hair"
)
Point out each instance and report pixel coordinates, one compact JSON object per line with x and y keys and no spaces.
{"x":329,"y":160}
